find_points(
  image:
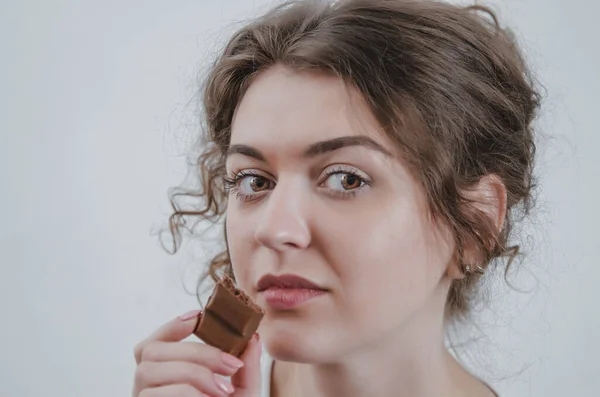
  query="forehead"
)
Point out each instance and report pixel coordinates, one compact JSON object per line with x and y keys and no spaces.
{"x":283,"y":106}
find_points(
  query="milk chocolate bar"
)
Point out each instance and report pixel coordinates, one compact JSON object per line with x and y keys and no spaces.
{"x":230,"y":318}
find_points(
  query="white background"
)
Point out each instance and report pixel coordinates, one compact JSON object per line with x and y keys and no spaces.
{"x":94,"y":122}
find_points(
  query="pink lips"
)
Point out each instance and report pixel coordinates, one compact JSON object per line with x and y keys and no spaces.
{"x":288,"y":291}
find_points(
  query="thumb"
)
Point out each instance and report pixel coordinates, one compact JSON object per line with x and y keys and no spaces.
{"x":247,"y":380}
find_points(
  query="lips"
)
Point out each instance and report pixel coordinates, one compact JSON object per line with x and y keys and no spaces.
{"x":286,"y":281}
{"x":288,"y":292}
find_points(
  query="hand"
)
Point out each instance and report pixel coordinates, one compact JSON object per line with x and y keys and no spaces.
{"x":168,"y":367}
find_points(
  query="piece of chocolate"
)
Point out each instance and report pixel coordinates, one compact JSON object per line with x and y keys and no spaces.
{"x":229,"y":319}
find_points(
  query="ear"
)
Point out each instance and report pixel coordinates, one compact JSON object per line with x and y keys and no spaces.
{"x":488,"y":197}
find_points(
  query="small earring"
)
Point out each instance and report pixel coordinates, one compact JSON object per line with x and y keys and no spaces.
{"x":478,"y":270}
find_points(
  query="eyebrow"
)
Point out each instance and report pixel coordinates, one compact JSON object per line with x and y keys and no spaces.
{"x":315,"y":149}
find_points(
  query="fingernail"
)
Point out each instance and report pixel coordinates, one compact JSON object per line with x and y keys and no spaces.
{"x":190,"y":315}
{"x":231,"y":361}
{"x":223,"y":384}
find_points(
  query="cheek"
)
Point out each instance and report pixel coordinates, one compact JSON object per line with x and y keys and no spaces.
{"x":239,"y":245}
{"x":387,"y":261}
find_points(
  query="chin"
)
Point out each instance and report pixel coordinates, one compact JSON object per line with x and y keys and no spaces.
{"x":298,"y":344}
{"x":282,"y":349}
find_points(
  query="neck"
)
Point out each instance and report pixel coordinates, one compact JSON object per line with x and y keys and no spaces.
{"x":412,"y":361}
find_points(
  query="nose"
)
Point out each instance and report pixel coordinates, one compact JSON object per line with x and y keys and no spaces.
{"x":283,"y":224}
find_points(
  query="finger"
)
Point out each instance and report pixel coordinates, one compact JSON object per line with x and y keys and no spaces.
{"x":172,"y":391}
{"x":149,"y":374}
{"x":173,"y":331}
{"x":247,"y":381}
{"x":197,"y":353}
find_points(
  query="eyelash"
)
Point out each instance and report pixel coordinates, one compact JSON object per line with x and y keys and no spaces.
{"x":347,"y":171}
{"x":232,"y":183}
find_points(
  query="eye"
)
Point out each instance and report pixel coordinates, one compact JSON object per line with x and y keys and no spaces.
{"x":343,"y":181}
{"x":251,"y":184}
{"x":248,"y":185}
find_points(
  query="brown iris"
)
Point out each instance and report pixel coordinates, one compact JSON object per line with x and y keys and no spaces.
{"x":258,"y":184}
{"x":350,"y":181}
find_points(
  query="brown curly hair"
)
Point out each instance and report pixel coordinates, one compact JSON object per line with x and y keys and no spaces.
{"x":445,"y":82}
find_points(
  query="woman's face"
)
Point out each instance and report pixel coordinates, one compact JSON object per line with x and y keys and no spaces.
{"x":319,"y":192}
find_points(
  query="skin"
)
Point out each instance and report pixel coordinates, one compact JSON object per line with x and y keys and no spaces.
{"x":351,"y":219}
{"x":318,"y":191}
{"x":168,"y":366}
